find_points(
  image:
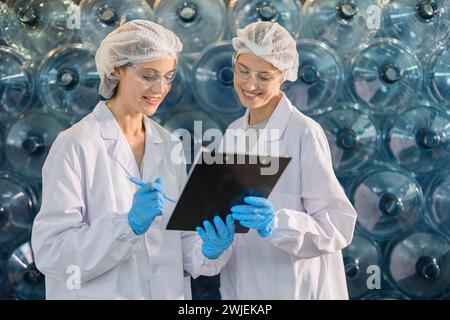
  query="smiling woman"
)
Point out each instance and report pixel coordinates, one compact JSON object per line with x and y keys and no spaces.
{"x":294,"y":249}
{"x":258,"y":89}
{"x":93,"y":218}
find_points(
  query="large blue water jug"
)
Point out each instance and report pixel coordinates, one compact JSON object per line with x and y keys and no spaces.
{"x":419,"y":264}
{"x":385,"y":295}
{"x":438,"y":202}
{"x":100,"y":17}
{"x":39,"y":26}
{"x":342,"y":24}
{"x":16,"y":83}
{"x":68,"y":81}
{"x":194,"y":122}
{"x":4,"y":255}
{"x":24,"y":278}
{"x":384,"y":74}
{"x":437,"y":72}
{"x":197,"y":22}
{"x":29,"y":139}
{"x":418,"y":138}
{"x":320,"y":76}
{"x":352,"y":135}
{"x":2,"y":37}
{"x":213,"y":81}
{"x":417,"y":23}
{"x":178,"y":94}
{"x":2,"y":146}
{"x":288,"y":13}
{"x":18,"y":206}
{"x":359,"y":257}
{"x":388,"y":201}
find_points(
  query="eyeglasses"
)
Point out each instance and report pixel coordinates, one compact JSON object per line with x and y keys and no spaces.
{"x":261,"y":78}
{"x":151,"y":77}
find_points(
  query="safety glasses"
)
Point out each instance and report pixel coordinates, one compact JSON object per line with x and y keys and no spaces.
{"x":260,"y":78}
{"x":151,"y":77}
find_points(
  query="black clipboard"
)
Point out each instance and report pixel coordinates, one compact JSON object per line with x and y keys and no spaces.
{"x":213,"y":188}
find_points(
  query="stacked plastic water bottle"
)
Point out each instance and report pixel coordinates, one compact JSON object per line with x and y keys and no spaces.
{"x":385,"y":110}
{"x":375,"y":75}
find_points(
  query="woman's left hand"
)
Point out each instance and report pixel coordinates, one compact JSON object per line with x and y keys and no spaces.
{"x":258,"y":214}
{"x":216,"y":240}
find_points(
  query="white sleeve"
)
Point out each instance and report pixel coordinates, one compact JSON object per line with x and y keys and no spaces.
{"x":63,"y":235}
{"x":328,"y":224}
{"x":194,"y":262}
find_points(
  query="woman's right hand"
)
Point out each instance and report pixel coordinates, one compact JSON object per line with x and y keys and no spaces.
{"x":147,"y":205}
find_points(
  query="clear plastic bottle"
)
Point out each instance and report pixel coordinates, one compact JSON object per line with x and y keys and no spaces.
{"x":213,"y":81}
{"x":2,"y":137}
{"x":288,"y":13}
{"x":2,"y":36}
{"x":361,"y":255}
{"x":101,"y":17}
{"x":419,"y":264}
{"x":384,"y":74}
{"x":385,"y":295}
{"x":38,"y":26}
{"x":438,"y":202}
{"x":437,"y":72}
{"x":342,"y":24}
{"x":18,"y":206}
{"x":68,"y":81}
{"x":320,"y":76}
{"x":197,"y":22}
{"x":352,"y":135}
{"x":418,"y":138}
{"x":24,"y":278}
{"x":388,"y":200}
{"x":29,"y":139}
{"x":17,"y":85}
{"x":419,"y":24}
{"x":195,"y":122}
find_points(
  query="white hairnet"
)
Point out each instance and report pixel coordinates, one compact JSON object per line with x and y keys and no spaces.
{"x":271,"y":42}
{"x":133,"y":42}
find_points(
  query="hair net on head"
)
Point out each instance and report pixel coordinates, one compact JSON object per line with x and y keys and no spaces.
{"x":271,"y":42}
{"x":133,"y":42}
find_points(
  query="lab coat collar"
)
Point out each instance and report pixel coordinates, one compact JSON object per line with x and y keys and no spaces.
{"x":120,"y":149}
{"x":109,"y":128}
{"x":277,"y":121}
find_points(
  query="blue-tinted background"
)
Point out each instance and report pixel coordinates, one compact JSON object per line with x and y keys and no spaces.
{"x":374,"y":74}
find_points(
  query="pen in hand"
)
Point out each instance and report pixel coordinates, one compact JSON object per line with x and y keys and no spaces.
{"x":140,"y":183}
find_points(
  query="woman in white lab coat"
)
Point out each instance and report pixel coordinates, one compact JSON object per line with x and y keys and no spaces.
{"x":97,"y":234}
{"x":293,"y":248}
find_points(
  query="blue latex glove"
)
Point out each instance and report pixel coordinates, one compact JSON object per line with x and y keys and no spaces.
{"x":258,"y":214}
{"x":215,"y":243}
{"x":147,"y":205}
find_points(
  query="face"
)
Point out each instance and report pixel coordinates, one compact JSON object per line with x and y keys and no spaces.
{"x":256,"y":81}
{"x":143,"y":86}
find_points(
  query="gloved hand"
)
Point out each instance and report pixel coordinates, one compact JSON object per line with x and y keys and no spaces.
{"x":215,"y":243}
{"x":258,"y":214}
{"x":147,"y":205}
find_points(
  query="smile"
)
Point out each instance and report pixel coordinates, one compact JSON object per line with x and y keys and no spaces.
{"x":249,"y":95}
{"x":152,"y":100}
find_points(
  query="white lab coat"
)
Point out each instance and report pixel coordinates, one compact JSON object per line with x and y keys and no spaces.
{"x":82,"y":226}
{"x":314,"y":219}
